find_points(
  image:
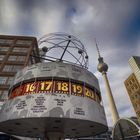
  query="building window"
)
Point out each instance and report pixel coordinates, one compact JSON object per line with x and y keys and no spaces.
{"x":24,"y":50}
{"x":3,"y":80}
{"x":12,"y":58}
{"x":138,"y":113}
{"x":24,"y":42}
{"x":4,"y":48}
{"x":10,"y":80}
{"x":21,"y":58}
{"x":129,"y":91}
{"x":136,"y":86}
{"x":7,"y":68}
{"x":6,"y":41}
{"x":135,"y":105}
{"x":132,"y":87}
{"x":133,"y":98}
{"x":3,"y":95}
{"x":130,"y":82}
{"x":136,"y":96}
{"x":2,"y":57}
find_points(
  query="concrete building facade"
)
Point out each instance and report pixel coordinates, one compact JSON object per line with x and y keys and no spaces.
{"x":132,"y":84}
{"x":16,"y":52}
{"x":134,"y":63}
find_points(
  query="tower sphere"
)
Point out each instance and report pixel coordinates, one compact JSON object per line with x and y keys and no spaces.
{"x":102,"y":67}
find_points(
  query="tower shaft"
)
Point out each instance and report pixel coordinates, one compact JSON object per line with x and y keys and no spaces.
{"x":102,"y":68}
{"x":115,"y":115}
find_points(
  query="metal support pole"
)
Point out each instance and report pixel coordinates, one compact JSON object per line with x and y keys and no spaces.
{"x":65,"y":49}
{"x":121,"y":131}
{"x":54,"y":136}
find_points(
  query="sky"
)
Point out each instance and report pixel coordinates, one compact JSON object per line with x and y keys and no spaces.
{"x":114,"y":23}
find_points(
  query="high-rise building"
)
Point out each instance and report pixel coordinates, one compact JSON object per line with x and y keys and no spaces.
{"x":132,"y":84}
{"x":134,"y":63}
{"x":16,"y":52}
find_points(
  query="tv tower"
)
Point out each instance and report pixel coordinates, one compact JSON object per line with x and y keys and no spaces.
{"x":102,"y":68}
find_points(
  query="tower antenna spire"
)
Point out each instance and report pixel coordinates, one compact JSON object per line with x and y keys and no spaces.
{"x":98,"y":51}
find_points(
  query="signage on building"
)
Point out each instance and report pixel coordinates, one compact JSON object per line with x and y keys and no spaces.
{"x":55,"y":86}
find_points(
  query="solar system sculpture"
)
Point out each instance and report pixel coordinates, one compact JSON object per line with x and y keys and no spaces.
{"x":58,"y":98}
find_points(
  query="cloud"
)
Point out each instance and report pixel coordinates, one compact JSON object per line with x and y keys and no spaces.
{"x":111,"y":22}
{"x":8,"y":16}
